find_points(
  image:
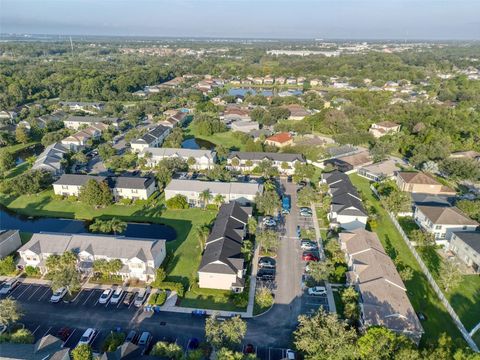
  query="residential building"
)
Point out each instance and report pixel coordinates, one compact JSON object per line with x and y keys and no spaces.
{"x":383,"y":297}
{"x":247,"y":161}
{"x":204,"y":159}
{"x":125,"y":351}
{"x":466,"y":246}
{"x":466,"y":155}
{"x":346,"y":208}
{"x":244,"y":126}
{"x":297,"y":112}
{"x":280,"y":80}
{"x":140,"y":257}
{"x":441,"y":221}
{"x":47,"y":347}
{"x":176,"y":119}
{"x":80,"y":139}
{"x":380,"y":171}
{"x":418,"y":182}
{"x":236,"y":113}
{"x":82,"y":106}
{"x":9,"y":242}
{"x":123,"y":187}
{"x":350,"y":163}
{"x":243,"y":193}
{"x":51,"y":159}
{"x":222,"y":265}
{"x":280,"y":140}
{"x":7,"y":116}
{"x":154,"y":138}
{"x":75,"y":122}
{"x":384,"y":128}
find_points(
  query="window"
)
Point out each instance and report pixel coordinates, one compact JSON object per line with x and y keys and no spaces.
{"x":438,"y":227}
{"x":464,"y":228}
{"x":64,"y":186}
{"x":134,"y":191}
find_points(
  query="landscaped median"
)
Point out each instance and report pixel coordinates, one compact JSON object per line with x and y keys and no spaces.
{"x":420,"y":293}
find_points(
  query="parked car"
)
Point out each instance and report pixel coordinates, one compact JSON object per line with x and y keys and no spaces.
{"x":305,"y":213}
{"x":309,"y":257}
{"x":106,"y":295}
{"x":306,"y":209}
{"x":87,"y":337}
{"x":299,"y":232}
{"x":268,"y":221}
{"x":117,"y":295}
{"x":267,"y":262}
{"x":290,"y":354}
{"x":64,"y":333}
{"x":58,"y":295}
{"x":308,"y":246}
{"x":142,"y":295}
{"x":249,"y":349}
{"x":317,"y":291}
{"x":144,"y":341}
{"x":132,"y":337}
{"x":9,"y":286}
{"x":127,"y":300}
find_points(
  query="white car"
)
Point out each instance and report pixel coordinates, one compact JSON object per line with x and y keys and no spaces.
{"x":87,"y":337}
{"x":269,"y":222}
{"x":317,"y":291}
{"x":290,"y":354}
{"x":58,"y":295}
{"x":8,"y":286}
{"x":105,"y":296}
{"x":117,"y":295}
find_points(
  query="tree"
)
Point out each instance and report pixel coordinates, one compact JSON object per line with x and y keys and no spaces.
{"x":80,"y":157}
{"x":205,"y":196}
{"x":219,"y":199}
{"x":450,"y":275}
{"x":225,"y":333}
{"x":30,"y":182}
{"x":303,"y":171}
{"x":113,"y":341}
{"x":268,"y":241}
{"x":171,"y":351}
{"x":306,"y":196}
{"x":177,"y":202}
{"x":82,"y":352}
{"x":320,"y":270}
{"x":379,"y":343}
{"x":7,"y":160}
{"x":7,"y":266}
{"x":202,"y":233}
{"x":22,"y":135}
{"x":9,"y":311}
{"x":63,"y":271}
{"x":106,"y":151}
{"x":462,"y":168}
{"x":247,"y":250}
{"x":324,"y":336}
{"x":266,"y":169}
{"x":268,"y":202}
{"x":191,"y":161}
{"x":96,"y":193}
{"x":470,"y":207}
{"x":263,"y":297}
{"x":227,"y":354}
{"x":422,"y":238}
{"x":397,"y":202}
{"x":252,"y":225}
{"x":351,"y":310}
{"x":114,"y":225}
{"x":430,"y":167}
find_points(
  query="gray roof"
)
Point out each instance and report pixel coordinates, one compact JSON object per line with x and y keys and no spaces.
{"x":152,"y":135}
{"x":384,"y":168}
{"x":223,"y":248}
{"x":80,"y":103}
{"x":48,"y":347}
{"x":446,"y":215}
{"x":175,"y":152}
{"x":215,"y":187}
{"x":432,"y":200}
{"x":93,"y":119}
{"x":77,"y":179}
{"x":348,"y":204}
{"x":51,"y":157}
{"x":6,"y":234}
{"x":132,"y":182}
{"x":471,"y":238}
{"x":116,"y":247}
{"x":335,"y":176}
{"x":266,"y":156}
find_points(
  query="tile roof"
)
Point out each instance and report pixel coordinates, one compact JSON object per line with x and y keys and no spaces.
{"x":282,"y":137}
{"x":417,"y":178}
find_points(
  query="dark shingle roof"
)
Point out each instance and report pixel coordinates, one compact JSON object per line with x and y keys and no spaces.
{"x":132,"y":182}
{"x":77,"y":179}
{"x":471,"y":238}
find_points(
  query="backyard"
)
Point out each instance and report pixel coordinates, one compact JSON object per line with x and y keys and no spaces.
{"x":419,"y":291}
{"x":228,"y":138}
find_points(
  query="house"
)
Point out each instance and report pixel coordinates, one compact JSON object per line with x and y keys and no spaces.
{"x":154,"y":138}
{"x":291,"y":81}
{"x":44,"y":120}
{"x":222,"y":264}
{"x":48,"y":347}
{"x":123,"y":187}
{"x":346,"y":208}
{"x":419,"y":182}
{"x":280,"y":140}
{"x":466,"y":246}
{"x":140,"y":257}
{"x":125,"y":351}
{"x":75,"y":122}
{"x":51,"y":159}
{"x":204,"y":159}
{"x":176,"y":119}
{"x":268,"y":80}
{"x":7,"y":116}
{"x":316,"y":82}
{"x":380,"y":171}
{"x":441,"y":221}
{"x":80,"y":139}
{"x":244,"y":126}
{"x":90,"y":107}
{"x":466,"y":155}
{"x":384,"y":128}
{"x":243,"y":193}
{"x":383,"y":297}
{"x":297,"y":112}
{"x":9,"y":242}
{"x":236,"y":113}
{"x":247,"y":161}
{"x":349,"y":163}
{"x":280,"y":80}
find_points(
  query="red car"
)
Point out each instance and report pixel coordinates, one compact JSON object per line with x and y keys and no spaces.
{"x":309,"y":257}
{"x":64,"y":333}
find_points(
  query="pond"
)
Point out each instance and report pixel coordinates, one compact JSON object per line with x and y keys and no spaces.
{"x":194,"y":143}
{"x":22,"y":155}
{"x":11,"y":220}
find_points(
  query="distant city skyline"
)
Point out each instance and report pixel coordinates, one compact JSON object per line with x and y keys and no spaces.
{"x":329,"y":19}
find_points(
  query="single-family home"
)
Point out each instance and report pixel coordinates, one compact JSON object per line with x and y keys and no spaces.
{"x":154,"y":138}
{"x":223,"y":265}
{"x":350,"y":163}
{"x":419,"y":182}
{"x":75,"y":122}
{"x":441,"y":221}
{"x":176,"y":119}
{"x":297,"y":112}
{"x":268,"y":80}
{"x":243,"y":193}
{"x":235,"y":113}
{"x":51,"y":159}
{"x":316,"y":82}
{"x":204,"y":159}
{"x":384,"y":128}
{"x":48,"y":347}
{"x":280,"y":80}
{"x":140,"y":257}
{"x":7,"y":116}
{"x":9,"y":242}
{"x":291,"y":81}
{"x":383,"y":297}
{"x":244,"y":126}
{"x":280,"y":140}
{"x":380,"y":171}
{"x":247,"y":161}
{"x":466,"y":246}
{"x":90,"y":107}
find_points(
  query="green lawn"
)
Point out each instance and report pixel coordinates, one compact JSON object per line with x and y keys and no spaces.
{"x":421,"y":295}
{"x":228,"y":139}
{"x":18,"y":147}
{"x":17,"y":170}
{"x":210,"y":298}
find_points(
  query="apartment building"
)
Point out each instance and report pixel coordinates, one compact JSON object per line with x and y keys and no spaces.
{"x":204,"y":159}
{"x":247,"y":161}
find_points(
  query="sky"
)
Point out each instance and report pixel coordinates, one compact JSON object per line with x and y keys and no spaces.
{"x":319,"y":19}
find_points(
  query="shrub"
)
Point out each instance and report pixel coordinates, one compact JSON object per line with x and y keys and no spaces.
{"x":125,"y":201}
{"x":157,"y":298}
{"x":240,"y":300}
{"x":177,"y":202}
{"x":172,"y":286}
{"x":211,"y":207}
{"x":263,"y":297}
{"x":113,"y":340}
{"x":22,"y":336}
{"x":72,"y":198}
{"x":31,"y":271}
{"x":168,"y":350}
{"x":140,"y":202}
{"x":7,"y":266}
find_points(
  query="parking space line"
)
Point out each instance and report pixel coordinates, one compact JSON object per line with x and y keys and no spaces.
{"x":34,"y":331}
{"x":78,"y":295}
{"x":46,"y":332}
{"x":69,"y":337}
{"x":35,"y":292}
{"x":131,"y":303}
{"x":96,"y":302}
{"x":45,"y":293}
{"x":121,"y":299}
{"x":18,"y":288}
{"x":23,"y":292}
{"x":88,"y":297}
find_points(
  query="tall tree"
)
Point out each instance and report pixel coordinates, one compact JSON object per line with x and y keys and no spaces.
{"x":225,"y":333}
{"x":219,"y":199}
{"x":202,"y":233}
{"x":82,"y":352}
{"x":63,"y":271}
{"x":96,"y":193}
{"x":22,"y":134}
{"x":7,"y":160}
{"x":205,"y":196}
{"x":268,"y":202}
{"x":320,"y":270}
{"x":380,"y":343}
{"x":9,"y":312}
{"x":450,"y":275}
{"x":268,"y":241}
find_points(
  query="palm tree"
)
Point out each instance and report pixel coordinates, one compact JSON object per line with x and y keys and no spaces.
{"x":219,"y":199}
{"x":202,"y":233}
{"x":205,"y":196}
{"x":118,"y":226}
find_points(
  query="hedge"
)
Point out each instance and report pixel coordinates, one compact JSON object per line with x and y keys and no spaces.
{"x":157,"y":298}
{"x":172,"y":286}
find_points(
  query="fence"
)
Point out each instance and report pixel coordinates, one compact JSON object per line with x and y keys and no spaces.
{"x":435,"y":287}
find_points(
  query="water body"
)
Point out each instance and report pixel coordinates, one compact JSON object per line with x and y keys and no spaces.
{"x":11,"y":220}
{"x":22,"y":155}
{"x":194,"y":143}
